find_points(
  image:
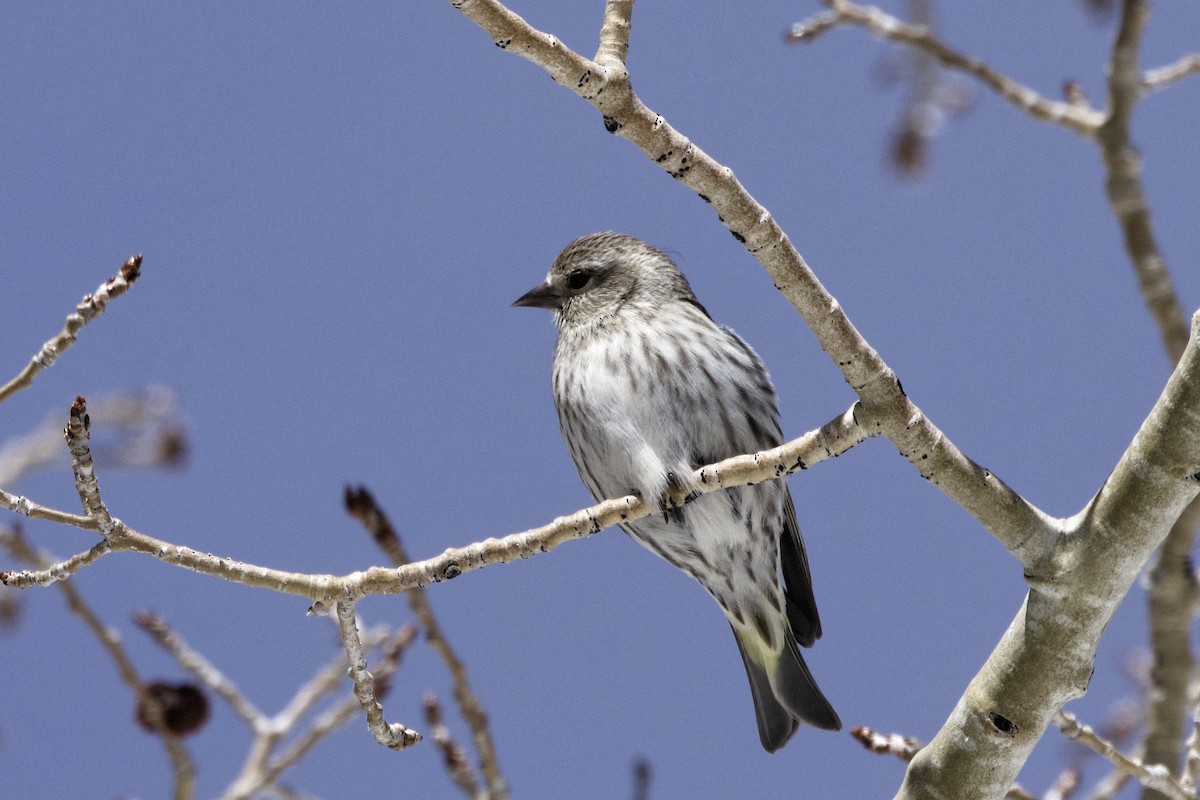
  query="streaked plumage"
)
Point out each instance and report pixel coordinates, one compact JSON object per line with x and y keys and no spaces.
{"x":648,"y":388}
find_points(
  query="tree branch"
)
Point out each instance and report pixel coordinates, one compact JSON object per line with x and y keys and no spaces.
{"x":362,"y":506}
{"x":1161,"y":78}
{"x":1022,"y":528}
{"x":1076,"y":117}
{"x":90,"y":307}
{"x":1156,"y":777}
{"x":182,"y":766}
{"x":833,"y":439}
{"x":393,"y":735}
{"x":1046,"y":656}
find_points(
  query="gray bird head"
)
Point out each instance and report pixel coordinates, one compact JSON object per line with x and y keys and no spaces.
{"x":598,"y":274}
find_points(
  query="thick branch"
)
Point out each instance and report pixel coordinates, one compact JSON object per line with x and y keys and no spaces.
{"x":1046,"y":656}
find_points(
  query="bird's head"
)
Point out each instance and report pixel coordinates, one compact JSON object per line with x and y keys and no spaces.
{"x":597,"y":275}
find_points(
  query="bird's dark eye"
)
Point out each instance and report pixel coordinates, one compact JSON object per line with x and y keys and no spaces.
{"x":578,"y":279}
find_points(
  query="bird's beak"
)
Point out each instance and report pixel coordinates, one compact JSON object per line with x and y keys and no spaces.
{"x":544,"y":296}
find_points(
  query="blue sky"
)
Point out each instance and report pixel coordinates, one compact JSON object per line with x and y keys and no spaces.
{"x":336,"y":207}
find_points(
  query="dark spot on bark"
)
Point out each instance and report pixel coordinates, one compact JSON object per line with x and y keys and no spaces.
{"x":739,"y":237}
{"x":1003,"y":724}
{"x":611,"y":125}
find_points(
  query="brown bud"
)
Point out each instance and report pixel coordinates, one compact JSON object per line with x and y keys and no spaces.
{"x":183,"y":706}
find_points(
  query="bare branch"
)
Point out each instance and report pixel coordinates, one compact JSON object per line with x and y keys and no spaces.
{"x":1172,"y":593}
{"x":614,"y":34}
{"x":147,"y":424}
{"x":1123,"y":181}
{"x":1155,"y":777}
{"x":27,"y":508}
{"x":263,"y":768}
{"x":642,"y":773}
{"x":1108,"y":788}
{"x":1065,"y":785}
{"x":181,"y":761}
{"x":361,"y":504}
{"x":1076,"y":117}
{"x":1022,"y":528}
{"x":338,"y":716}
{"x":833,"y":439}
{"x":201,"y":668}
{"x":454,"y":757}
{"x":889,"y":744}
{"x":1016,"y":792}
{"x":78,"y":433}
{"x":1047,"y":654}
{"x":1191,"y":764}
{"x":813,"y":28}
{"x":1161,"y":78}
{"x":56,"y":572}
{"x":90,"y":307}
{"x":395,"y":735}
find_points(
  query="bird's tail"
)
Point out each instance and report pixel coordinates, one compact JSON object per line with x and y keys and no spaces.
{"x":783,"y":689}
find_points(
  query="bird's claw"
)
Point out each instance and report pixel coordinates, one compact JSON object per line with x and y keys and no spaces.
{"x":673,"y":499}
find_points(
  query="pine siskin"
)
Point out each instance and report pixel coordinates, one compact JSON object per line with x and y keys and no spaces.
{"x":648,"y":388}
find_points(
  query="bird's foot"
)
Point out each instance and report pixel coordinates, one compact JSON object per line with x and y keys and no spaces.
{"x":676,"y":496}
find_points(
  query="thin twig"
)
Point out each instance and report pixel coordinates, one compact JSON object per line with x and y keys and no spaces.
{"x":148,"y":431}
{"x":892,"y":744}
{"x":642,"y":775}
{"x":183,"y":768}
{"x":90,"y":307}
{"x":1065,"y":785}
{"x":200,"y":667}
{"x":1155,"y":777}
{"x":264,"y":766}
{"x":78,"y":433}
{"x":1162,"y":77}
{"x":1123,"y":182}
{"x":1076,"y":117}
{"x":454,"y":756}
{"x":394,"y":735}
{"x":361,"y":505}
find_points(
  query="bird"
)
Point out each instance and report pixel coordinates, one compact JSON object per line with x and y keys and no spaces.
{"x":648,"y":388}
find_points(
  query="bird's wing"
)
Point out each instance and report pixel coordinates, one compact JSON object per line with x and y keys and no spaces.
{"x":797,"y":580}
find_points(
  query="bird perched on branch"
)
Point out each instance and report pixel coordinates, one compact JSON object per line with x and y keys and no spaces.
{"x":648,"y":388}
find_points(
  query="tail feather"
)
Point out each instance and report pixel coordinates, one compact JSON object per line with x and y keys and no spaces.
{"x":775,"y":724}
{"x":784,"y":692}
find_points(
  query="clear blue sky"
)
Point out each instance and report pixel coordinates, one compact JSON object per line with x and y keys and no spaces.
{"x":337,"y":205}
